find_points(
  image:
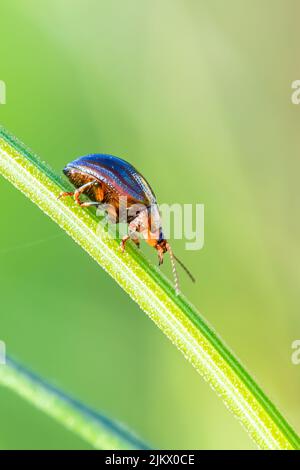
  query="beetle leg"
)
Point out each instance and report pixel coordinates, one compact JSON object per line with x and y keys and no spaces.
{"x":88,"y":204}
{"x":65,"y":195}
{"x":80,"y":191}
{"x":111,"y":214}
{"x":77,"y":194}
{"x":123,"y":242}
{"x":136,"y":240}
{"x":132,"y":229}
{"x":160,"y":256}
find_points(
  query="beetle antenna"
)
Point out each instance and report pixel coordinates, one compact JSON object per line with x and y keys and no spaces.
{"x":172,"y":257}
{"x":185,"y":269}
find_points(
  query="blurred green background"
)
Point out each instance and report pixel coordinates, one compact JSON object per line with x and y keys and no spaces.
{"x":196,"y":95}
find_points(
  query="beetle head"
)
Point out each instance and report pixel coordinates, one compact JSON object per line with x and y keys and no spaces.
{"x":161,"y":246}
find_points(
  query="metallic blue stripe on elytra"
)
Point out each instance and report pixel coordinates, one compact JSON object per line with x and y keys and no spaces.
{"x":115,"y":171}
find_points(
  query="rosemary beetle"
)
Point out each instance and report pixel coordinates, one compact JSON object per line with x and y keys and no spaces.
{"x":106,"y":179}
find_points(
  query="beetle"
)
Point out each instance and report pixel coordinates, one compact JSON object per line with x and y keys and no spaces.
{"x":105,"y":179}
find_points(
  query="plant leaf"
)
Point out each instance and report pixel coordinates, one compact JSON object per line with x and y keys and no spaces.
{"x":93,"y":427}
{"x":174,"y":315}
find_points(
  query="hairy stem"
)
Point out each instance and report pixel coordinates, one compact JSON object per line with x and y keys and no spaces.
{"x":179,"y":320}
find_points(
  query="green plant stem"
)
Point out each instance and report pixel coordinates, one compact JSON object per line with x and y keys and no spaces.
{"x":99,"y":431}
{"x":179,"y":320}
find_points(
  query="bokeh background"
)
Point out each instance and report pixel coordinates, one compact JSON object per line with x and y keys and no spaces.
{"x":197,"y":95}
